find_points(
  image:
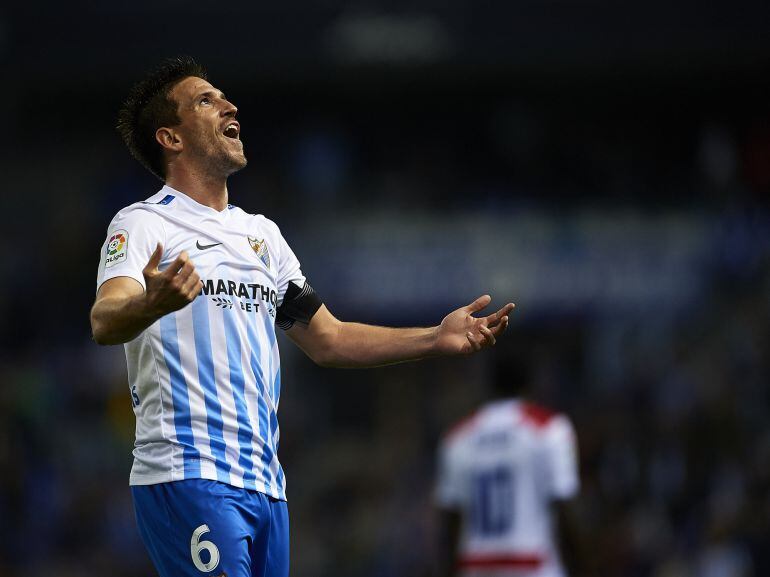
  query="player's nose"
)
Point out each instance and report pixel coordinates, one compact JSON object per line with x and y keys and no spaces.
{"x":229,"y":109}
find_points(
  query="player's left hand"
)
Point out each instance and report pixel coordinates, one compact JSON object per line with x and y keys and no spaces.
{"x":462,"y":333}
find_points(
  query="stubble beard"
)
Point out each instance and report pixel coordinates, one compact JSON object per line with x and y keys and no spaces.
{"x":216,"y":160}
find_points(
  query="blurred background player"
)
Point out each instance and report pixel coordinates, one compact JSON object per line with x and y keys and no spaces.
{"x":504,"y":473}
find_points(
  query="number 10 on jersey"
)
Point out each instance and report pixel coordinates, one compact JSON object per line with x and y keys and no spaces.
{"x":492,"y":508}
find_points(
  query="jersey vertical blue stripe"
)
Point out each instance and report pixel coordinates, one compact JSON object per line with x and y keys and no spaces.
{"x":279,"y":477}
{"x":277,"y":387}
{"x":274,"y":427}
{"x":269,"y":324}
{"x":270,"y":332}
{"x":267,"y":451}
{"x":264,"y":425}
{"x":179,"y":396}
{"x":245,"y":430}
{"x":207,"y":380}
{"x":279,"y":480}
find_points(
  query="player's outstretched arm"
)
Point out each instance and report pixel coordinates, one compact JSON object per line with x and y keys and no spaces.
{"x":331,"y":342}
{"x":123,"y":309}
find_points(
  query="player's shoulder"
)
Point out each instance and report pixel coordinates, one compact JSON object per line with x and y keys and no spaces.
{"x":163,"y":198}
{"x":266,"y":223}
{"x":548,"y":424}
{"x":536,"y":415}
{"x":267,"y":227}
{"x":142,"y":210}
{"x":257,"y":219}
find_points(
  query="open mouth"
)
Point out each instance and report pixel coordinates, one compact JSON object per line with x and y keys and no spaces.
{"x":232,"y":130}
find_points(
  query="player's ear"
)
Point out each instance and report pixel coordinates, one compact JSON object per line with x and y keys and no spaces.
{"x":168,"y":139}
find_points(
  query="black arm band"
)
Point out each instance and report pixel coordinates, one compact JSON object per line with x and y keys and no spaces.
{"x":299,"y":304}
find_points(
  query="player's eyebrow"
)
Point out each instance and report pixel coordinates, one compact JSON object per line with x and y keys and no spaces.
{"x":212,"y":93}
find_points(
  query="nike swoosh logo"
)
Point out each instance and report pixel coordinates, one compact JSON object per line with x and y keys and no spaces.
{"x":205,"y":246}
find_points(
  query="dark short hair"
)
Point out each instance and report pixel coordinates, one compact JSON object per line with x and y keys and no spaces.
{"x":149,"y":106}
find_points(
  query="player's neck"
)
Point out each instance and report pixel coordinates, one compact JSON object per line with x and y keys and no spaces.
{"x":204,"y":189}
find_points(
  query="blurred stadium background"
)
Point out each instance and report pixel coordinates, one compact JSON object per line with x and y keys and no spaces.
{"x":604,"y":165}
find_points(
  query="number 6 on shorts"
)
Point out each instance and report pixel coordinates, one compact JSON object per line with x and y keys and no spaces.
{"x":197,"y":546}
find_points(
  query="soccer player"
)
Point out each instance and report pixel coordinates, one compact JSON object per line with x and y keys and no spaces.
{"x":503,"y":472}
{"x":194,"y":287}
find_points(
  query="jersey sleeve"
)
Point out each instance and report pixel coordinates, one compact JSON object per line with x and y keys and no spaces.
{"x":449,"y":490}
{"x":561,"y":459}
{"x":288,"y":267}
{"x":131,"y":239}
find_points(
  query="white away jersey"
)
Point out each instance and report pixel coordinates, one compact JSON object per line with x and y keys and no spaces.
{"x":501,"y":468}
{"x":205,"y":380}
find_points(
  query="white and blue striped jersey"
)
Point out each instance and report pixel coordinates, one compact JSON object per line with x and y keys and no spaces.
{"x":205,"y":380}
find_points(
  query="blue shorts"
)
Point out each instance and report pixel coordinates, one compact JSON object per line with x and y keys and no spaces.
{"x":197,"y":528}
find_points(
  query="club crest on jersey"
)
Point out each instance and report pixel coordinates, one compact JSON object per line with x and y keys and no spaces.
{"x":260,"y":248}
{"x":117,"y":246}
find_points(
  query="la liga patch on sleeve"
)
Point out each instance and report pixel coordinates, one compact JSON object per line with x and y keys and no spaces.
{"x":117,"y":246}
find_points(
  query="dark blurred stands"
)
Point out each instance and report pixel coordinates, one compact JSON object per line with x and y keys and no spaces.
{"x":606,"y":168}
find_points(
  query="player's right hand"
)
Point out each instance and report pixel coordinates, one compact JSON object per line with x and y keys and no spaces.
{"x":172,"y":289}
